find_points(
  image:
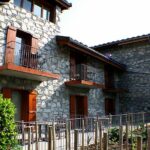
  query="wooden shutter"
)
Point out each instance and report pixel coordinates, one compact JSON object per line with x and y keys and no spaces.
{"x":109,"y":106}
{"x":34,"y":55}
{"x":32,"y":106}
{"x":25,"y":106}
{"x":85,"y":106}
{"x":7,"y":92}
{"x":72,"y":66}
{"x":84,"y":70}
{"x":72,"y":109}
{"x":109,"y":77}
{"x":72,"y":106}
{"x":10,"y":47}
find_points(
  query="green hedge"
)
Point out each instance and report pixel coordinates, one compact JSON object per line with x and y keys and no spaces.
{"x":7,"y":124}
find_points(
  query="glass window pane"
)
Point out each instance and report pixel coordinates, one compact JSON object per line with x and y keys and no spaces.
{"x":46,"y":14}
{"x":17,"y":2}
{"x":37,"y":10}
{"x":27,"y":5}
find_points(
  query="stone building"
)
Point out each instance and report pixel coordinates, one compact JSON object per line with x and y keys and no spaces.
{"x":49,"y":76}
{"x":135,"y":54}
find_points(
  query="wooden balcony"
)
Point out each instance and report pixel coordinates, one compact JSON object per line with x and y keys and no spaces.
{"x":83,"y":76}
{"x":22,"y":61}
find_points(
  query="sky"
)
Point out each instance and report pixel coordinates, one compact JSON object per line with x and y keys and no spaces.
{"x":94,"y":22}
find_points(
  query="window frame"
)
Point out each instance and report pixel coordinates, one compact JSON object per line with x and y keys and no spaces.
{"x":44,"y":5}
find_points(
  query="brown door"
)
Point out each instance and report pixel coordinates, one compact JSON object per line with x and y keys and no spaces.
{"x":26,"y":105}
{"x":109,"y":106}
{"x":32,"y":106}
{"x":109,"y":77}
{"x":78,"y":106}
{"x":78,"y":109}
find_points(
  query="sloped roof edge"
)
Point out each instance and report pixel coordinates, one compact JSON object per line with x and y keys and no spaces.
{"x":145,"y":37}
{"x":64,"y":4}
{"x":67,"y":41}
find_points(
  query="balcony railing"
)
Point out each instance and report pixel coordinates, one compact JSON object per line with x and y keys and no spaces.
{"x":85,"y":72}
{"x":24,"y":55}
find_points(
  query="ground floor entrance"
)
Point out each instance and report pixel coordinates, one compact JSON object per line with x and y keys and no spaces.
{"x":78,"y":109}
{"x":78,"y":106}
{"x":24,"y":101}
{"x":109,"y":106}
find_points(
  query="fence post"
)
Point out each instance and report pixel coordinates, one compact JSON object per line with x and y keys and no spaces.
{"x":83,"y":134}
{"x":36,"y":130}
{"x":121,"y":137}
{"x":100,"y":135}
{"x":76,"y":139}
{"x":127,"y":128}
{"x":29,"y":138}
{"x":139,"y":143}
{"x":96,"y":133}
{"x":67,"y":136}
{"x":46,"y":131}
{"x":40,"y":131}
{"x":105,"y":141}
{"x":54,"y":138}
{"x":50,"y":143}
{"x":23,"y":132}
{"x":143,"y":117}
{"x":148,"y":138}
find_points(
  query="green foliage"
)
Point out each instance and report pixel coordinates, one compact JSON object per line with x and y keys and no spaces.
{"x":113,"y":135}
{"x":7,"y":124}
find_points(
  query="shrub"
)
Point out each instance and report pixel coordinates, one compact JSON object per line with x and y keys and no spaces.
{"x":7,"y":124}
{"x":113,"y":135}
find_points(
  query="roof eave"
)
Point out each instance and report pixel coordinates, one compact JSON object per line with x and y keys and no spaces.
{"x":4,"y":1}
{"x":144,"y":38}
{"x":67,"y":41}
{"x":63,"y":4}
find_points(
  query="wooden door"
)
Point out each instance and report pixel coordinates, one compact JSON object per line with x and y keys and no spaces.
{"x":109,"y":77}
{"x":109,"y":106}
{"x":72,"y":106}
{"x":32,"y":106}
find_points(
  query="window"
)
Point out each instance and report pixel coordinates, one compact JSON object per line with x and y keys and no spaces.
{"x":46,"y":14}
{"x":17,"y":2}
{"x":27,"y":5}
{"x":38,"y":9}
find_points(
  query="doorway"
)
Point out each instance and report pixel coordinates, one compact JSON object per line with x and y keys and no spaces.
{"x":109,"y":106}
{"x":78,"y":106}
{"x":24,"y":101}
{"x":78,"y":109}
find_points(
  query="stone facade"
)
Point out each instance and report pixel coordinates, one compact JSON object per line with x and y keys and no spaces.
{"x":53,"y":96}
{"x":137,"y":77}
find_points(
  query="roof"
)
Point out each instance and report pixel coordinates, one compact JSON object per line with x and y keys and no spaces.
{"x":63,"y":4}
{"x":74,"y":44}
{"x":142,"y":38}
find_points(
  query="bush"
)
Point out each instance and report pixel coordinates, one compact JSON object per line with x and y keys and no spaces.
{"x":113,"y":135}
{"x":7,"y":124}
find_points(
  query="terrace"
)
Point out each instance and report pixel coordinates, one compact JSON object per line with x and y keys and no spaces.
{"x":23,"y":61}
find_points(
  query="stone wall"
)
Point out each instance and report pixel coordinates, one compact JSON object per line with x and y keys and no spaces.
{"x":53,"y":95}
{"x":137,"y":77}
